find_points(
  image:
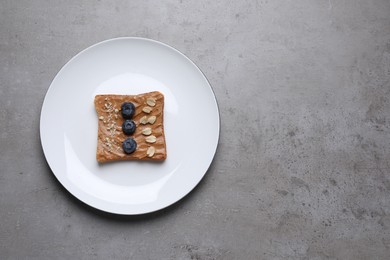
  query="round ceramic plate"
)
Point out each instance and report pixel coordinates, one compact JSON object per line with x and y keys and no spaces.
{"x":68,"y":125}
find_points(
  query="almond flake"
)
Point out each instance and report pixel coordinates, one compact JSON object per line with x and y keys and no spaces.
{"x":152,"y":119}
{"x":101,"y":117}
{"x":150,"y":152}
{"x":143,"y":120}
{"x":151,"y":139}
{"x":151,"y":102}
{"x":147,"y":131}
{"x":147,"y":109}
{"x":116,"y":110}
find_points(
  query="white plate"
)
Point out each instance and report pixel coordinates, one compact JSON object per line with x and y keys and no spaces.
{"x":68,"y":125}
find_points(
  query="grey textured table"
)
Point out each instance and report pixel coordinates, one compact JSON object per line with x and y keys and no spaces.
{"x":302,"y":169}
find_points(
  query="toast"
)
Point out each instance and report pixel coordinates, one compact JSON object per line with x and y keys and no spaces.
{"x":147,"y":115}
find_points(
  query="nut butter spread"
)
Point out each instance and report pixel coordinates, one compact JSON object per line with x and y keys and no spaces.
{"x":149,"y":132}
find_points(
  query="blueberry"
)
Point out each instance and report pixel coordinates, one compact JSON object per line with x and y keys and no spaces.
{"x":128,"y":127}
{"x":129,"y":145}
{"x":128,"y":110}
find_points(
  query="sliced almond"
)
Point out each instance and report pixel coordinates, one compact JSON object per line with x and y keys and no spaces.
{"x":101,"y":117}
{"x":152,"y":119}
{"x":151,"y":102}
{"x":147,"y":131}
{"x":151,"y":139}
{"x":144,"y":120}
{"x":150,"y":152}
{"x":147,"y":109}
{"x":116,"y":110}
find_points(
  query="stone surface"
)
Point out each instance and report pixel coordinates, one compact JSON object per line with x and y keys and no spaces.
{"x":302,"y":169}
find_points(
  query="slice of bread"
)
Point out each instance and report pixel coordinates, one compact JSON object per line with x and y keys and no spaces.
{"x":149,"y":132}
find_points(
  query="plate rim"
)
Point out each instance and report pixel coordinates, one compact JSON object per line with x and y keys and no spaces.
{"x":119,"y":212}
